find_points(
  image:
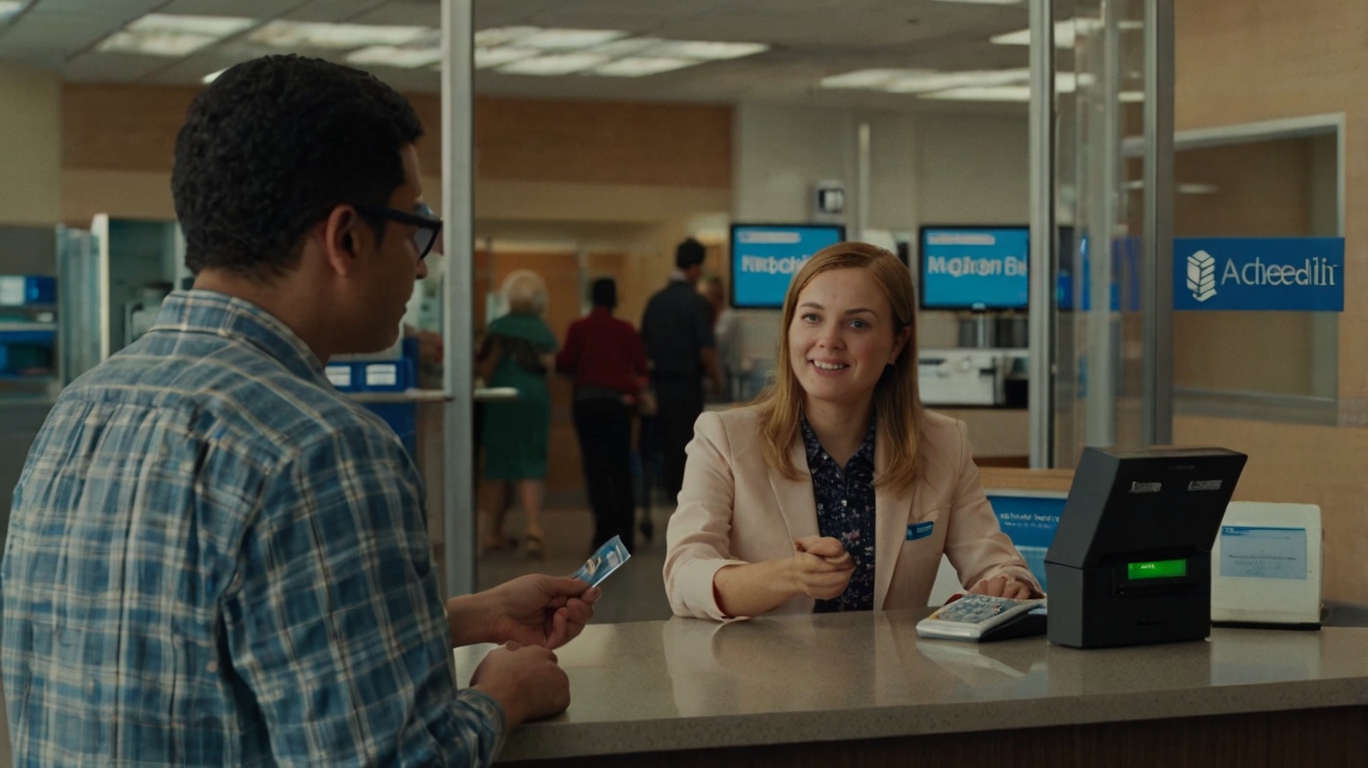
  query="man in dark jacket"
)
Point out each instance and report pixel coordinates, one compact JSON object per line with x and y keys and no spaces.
{"x":677,"y":330}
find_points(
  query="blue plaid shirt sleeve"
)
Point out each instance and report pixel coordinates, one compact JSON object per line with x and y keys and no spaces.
{"x":334,"y":620}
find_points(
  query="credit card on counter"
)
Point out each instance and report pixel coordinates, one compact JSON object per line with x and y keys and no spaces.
{"x":609,"y":557}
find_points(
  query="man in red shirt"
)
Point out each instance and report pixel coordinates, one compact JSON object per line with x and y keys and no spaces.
{"x":607,"y":360}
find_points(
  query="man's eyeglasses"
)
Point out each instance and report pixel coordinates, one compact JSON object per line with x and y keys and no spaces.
{"x":429,"y":226}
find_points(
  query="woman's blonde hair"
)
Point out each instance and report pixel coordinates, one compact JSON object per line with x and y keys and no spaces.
{"x":896,"y":401}
{"x":524,"y":291}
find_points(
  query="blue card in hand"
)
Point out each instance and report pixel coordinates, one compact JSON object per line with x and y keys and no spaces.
{"x":607,"y":559}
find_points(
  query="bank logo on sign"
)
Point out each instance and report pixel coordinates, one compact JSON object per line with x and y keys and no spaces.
{"x":1201,"y":275}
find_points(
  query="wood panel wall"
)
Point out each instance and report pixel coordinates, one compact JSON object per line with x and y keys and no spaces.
{"x":133,"y":128}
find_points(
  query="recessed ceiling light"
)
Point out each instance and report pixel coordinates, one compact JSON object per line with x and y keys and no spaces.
{"x":569,"y":39}
{"x":216,"y":26}
{"x":984,"y":93}
{"x":493,"y":57}
{"x":160,"y":34}
{"x":641,"y":66}
{"x":489,"y":38}
{"x":308,"y":34}
{"x":394,"y":56}
{"x":1065,"y":32}
{"x":554,"y":64}
{"x":873,"y":79}
{"x":939,"y":81}
{"x":1131,"y":97}
{"x":626,"y":46}
{"x":706,"y":49}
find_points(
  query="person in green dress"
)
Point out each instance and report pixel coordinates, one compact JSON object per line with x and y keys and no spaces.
{"x":517,"y":352}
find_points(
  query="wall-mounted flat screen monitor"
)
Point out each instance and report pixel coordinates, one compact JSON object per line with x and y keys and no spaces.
{"x":974,"y":267}
{"x":765,"y":257}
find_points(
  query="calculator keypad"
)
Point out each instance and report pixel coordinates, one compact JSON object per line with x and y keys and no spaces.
{"x":973,"y":609}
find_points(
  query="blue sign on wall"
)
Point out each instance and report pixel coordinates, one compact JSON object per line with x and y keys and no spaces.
{"x":1259,"y":273}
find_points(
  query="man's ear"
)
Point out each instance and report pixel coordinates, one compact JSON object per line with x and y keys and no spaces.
{"x":342,"y":235}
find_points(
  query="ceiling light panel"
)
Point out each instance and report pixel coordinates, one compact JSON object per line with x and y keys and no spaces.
{"x":493,"y":57}
{"x":983,"y":93}
{"x":554,"y":64}
{"x":704,"y":49}
{"x":869,"y":79}
{"x":213,"y":26}
{"x":627,"y":46}
{"x":939,"y":81}
{"x":308,"y":34}
{"x":569,"y":39}
{"x":394,"y":56}
{"x":1065,"y":32}
{"x":9,"y":7}
{"x":641,"y":66}
{"x":489,"y":38}
{"x":159,"y":34}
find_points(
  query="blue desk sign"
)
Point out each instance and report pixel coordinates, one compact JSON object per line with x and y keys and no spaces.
{"x":1259,"y":273}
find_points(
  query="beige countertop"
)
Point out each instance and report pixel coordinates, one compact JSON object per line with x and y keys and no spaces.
{"x":687,"y":683}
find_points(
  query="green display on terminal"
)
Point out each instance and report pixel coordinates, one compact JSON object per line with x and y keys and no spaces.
{"x":1157,"y":569}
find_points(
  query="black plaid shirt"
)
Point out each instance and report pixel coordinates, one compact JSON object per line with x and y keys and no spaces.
{"x":845,"y":511}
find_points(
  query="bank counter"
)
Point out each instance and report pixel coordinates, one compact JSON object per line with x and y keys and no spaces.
{"x":863,"y":689}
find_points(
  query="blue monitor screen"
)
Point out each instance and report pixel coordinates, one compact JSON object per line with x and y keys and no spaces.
{"x":974,"y":267}
{"x":765,"y":257}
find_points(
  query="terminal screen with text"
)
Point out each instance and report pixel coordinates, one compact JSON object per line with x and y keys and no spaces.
{"x":974,"y":267}
{"x":766,"y":257}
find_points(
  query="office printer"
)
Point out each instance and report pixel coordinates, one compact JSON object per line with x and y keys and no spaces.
{"x":972,"y":376}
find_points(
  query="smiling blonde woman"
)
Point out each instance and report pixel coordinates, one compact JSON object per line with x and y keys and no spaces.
{"x":835,"y":490}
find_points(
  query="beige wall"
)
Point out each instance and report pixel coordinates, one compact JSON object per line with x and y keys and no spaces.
{"x":30,"y":134}
{"x":1242,"y":61}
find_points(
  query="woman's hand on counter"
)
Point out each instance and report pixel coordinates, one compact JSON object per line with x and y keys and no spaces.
{"x":1003,"y":586}
{"x":819,"y":568}
{"x":536,"y":609}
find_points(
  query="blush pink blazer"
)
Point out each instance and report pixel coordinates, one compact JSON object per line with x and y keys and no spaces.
{"x":736,"y":509}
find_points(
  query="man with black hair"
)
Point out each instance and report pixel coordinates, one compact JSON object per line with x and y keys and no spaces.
{"x":215,"y":558}
{"x":678,"y":332}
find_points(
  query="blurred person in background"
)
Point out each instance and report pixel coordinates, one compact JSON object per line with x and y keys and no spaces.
{"x":677,"y":329}
{"x":517,"y":352}
{"x":726,"y":331}
{"x":606,"y":359}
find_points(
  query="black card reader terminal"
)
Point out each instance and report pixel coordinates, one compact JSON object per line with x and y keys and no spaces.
{"x":1130,"y":563}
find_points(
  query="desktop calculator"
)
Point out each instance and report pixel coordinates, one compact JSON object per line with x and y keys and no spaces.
{"x":980,"y":617}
